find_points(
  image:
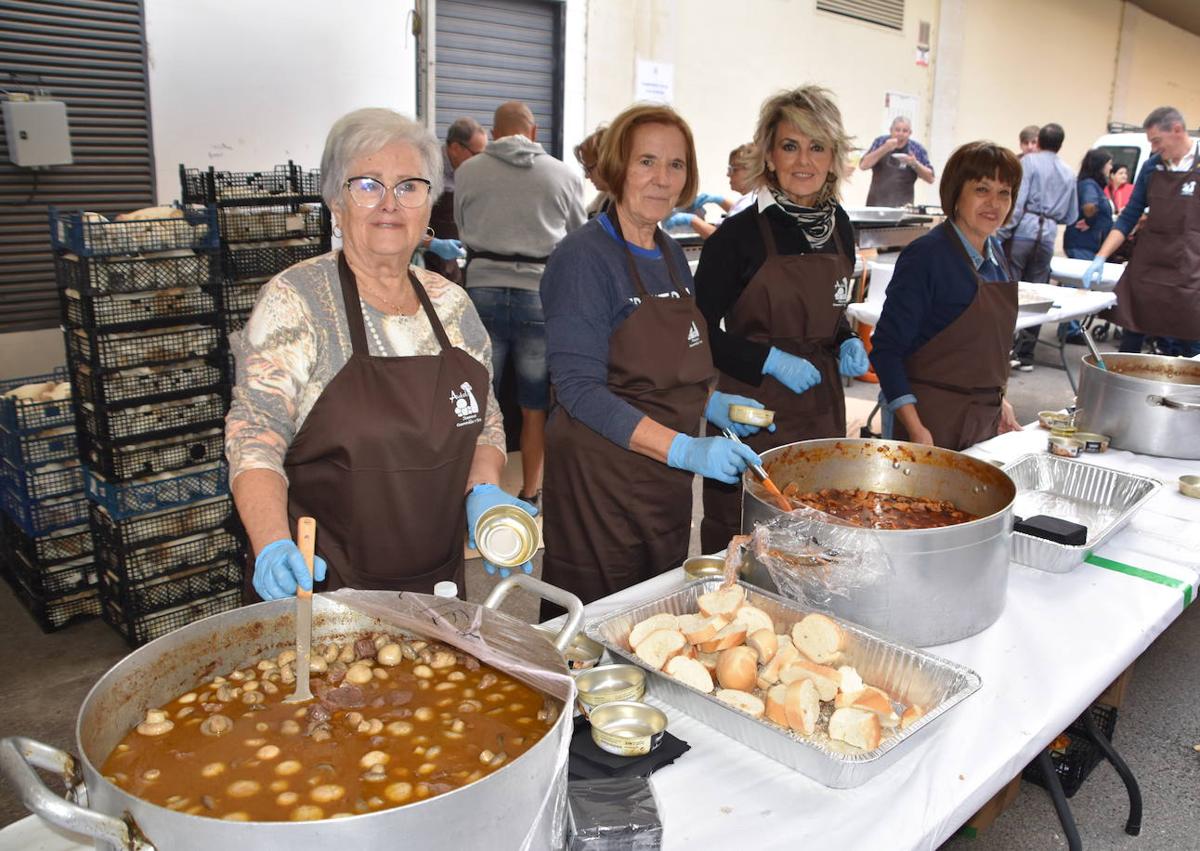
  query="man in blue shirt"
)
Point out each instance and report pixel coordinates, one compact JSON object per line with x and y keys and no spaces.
{"x":895,"y":162}
{"x":1159,"y":293}
{"x":1047,"y":199}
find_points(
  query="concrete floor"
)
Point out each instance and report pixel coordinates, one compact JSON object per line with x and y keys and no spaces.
{"x":1156,"y":728}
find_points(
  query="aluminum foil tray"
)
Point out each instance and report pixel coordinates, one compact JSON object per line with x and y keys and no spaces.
{"x":1101,"y":499}
{"x":911,"y":676}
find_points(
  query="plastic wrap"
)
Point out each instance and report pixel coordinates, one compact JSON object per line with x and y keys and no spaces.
{"x":497,"y":640}
{"x":614,"y":814}
{"x":813,"y":556}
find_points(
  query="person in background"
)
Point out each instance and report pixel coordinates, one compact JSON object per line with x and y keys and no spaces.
{"x":1082,"y":240}
{"x":773,"y":284}
{"x":586,"y":154}
{"x":895,"y":162}
{"x":736,"y":171}
{"x":1119,"y":187}
{"x":362,"y":394}
{"x":1047,"y":199}
{"x":941,"y":346}
{"x":464,"y":139}
{"x":514,"y":204}
{"x":632,"y":371}
{"x":1028,"y":139}
{"x":1159,"y":292}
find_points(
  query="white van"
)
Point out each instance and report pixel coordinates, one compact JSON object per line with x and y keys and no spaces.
{"x":1128,"y":145}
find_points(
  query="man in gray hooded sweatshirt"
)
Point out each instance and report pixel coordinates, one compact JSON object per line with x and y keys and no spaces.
{"x":513,"y":205}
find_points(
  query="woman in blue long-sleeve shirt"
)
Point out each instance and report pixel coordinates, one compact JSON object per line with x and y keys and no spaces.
{"x":941,"y":346}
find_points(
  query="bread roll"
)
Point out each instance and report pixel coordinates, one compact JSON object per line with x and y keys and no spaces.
{"x":825,"y":679}
{"x":775,"y":711}
{"x":709,"y":661}
{"x":802,"y":706}
{"x":738,"y":668}
{"x":641,"y":630}
{"x":148,"y":213}
{"x":729,"y":636}
{"x":723,"y":601}
{"x":818,"y":637}
{"x":783,"y":657}
{"x":851,"y":682}
{"x":742,"y":700}
{"x":856,"y":727}
{"x":911,"y":715}
{"x":698,"y":629}
{"x":754,"y":618}
{"x":689,"y":672}
{"x":660,"y":646}
{"x":764,"y":643}
{"x":873,"y":700}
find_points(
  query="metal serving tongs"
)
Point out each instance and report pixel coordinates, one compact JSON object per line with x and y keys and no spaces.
{"x":781,"y":501}
{"x":306,"y":539}
{"x":1091,"y":344}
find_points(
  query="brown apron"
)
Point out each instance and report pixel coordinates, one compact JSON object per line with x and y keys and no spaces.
{"x":383,"y":457}
{"x":961,"y":373}
{"x":795,"y":303}
{"x":891,"y":182}
{"x":615,"y":517}
{"x":1159,"y":292}
{"x":441,"y":219}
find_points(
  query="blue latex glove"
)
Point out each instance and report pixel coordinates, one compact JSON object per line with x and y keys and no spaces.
{"x":678,"y":220}
{"x":712,"y":457}
{"x":717,"y":413}
{"x":479,"y":500}
{"x":280,"y":567}
{"x":796,"y":374}
{"x":1095,"y":269}
{"x":447,"y":249}
{"x":704,"y":198}
{"x":852,"y":358}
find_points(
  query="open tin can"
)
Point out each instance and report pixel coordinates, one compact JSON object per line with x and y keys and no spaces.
{"x":704,"y":567}
{"x":1092,"y":442}
{"x":507,"y":536}
{"x":748,"y":415}
{"x":582,"y":653}
{"x":1065,"y":447}
{"x":628,"y":728}
{"x":609,"y":683}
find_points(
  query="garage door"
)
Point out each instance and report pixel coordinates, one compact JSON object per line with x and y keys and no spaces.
{"x":90,"y":54}
{"x":492,"y":51}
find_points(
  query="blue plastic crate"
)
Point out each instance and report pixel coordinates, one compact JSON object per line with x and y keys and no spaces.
{"x":45,"y":482}
{"x":27,"y":449}
{"x":19,"y":416}
{"x":77,"y":233}
{"x":128,"y":499}
{"x":39,"y":517}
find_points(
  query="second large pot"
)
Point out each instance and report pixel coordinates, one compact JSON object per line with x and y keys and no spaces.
{"x":1145,"y":403}
{"x":938,"y":585}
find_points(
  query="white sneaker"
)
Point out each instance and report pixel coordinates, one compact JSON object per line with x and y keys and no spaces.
{"x":1014,"y":363}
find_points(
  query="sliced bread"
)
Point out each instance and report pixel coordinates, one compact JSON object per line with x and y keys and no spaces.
{"x":723,"y":601}
{"x":701,"y":628}
{"x":754,"y":618}
{"x":825,"y":679}
{"x":660,"y":646}
{"x":856,"y":727}
{"x":742,"y":700}
{"x":802,"y":706}
{"x":641,"y":630}
{"x":871,"y":699}
{"x":764,"y":643}
{"x":818,"y":637}
{"x":729,"y":636}
{"x":738,"y":668}
{"x":776,"y":697}
{"x":689,"y":672}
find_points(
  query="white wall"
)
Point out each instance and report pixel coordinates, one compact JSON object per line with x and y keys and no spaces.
{"x":246,"y":85}
{"x":31,"y":353}
{"x":1158,"y":64}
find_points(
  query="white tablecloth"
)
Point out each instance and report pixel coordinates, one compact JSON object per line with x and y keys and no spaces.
{"x":1059,"y":643}
{"x":1069,"y":303}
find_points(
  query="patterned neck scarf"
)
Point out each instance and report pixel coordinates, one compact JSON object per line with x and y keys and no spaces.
{"x":816,"y":222}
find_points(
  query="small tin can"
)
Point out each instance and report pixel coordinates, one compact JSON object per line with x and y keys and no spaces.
{"x":1063,"y":430}
{"x":1065,"y":447}
{"x":582,"y":653}
{"x":1092,"y":442}
{"x":608,"y":683}
{"x":748,"y":415}
{"x":628,"y":728}
{"x":507,"y":536}
{"x":1053,"y":419}
{"x":1190,"y":486}
{"x":704,"y":567}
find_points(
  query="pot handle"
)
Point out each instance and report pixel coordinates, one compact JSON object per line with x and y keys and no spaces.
{"x":1173,"y":402}
{"x":19,"y":755}
{"x":566,"y":599}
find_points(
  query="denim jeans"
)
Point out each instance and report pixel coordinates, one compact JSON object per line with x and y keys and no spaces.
{"x":1030,"y":261}
{"x":517,"y":325}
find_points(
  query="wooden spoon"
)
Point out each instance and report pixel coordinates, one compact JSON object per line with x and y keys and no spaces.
{"x":306,"y":539}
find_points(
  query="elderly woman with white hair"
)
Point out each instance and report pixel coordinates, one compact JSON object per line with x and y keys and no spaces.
{"x":773,"y":284}
{"x":363,"y":397}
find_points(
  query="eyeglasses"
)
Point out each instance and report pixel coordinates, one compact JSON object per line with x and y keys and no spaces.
{"x":731,"y":169}
{"x":588,"y":169}
{"x":368,"y":192}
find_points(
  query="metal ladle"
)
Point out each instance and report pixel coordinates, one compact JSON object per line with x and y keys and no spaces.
{"x":781,"y":501}
{"x":1091,"y":344}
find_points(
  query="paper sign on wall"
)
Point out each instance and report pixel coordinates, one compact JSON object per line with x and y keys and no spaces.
{"x":654,"y":82}
{"x":896,"y":105}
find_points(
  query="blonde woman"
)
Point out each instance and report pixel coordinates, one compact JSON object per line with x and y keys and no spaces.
{"x":778,"y":276}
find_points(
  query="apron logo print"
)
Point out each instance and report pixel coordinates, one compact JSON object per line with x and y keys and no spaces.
{"x":466,"y":406}
{"x":841,"y":292}
{"x":1188,"y":189}
{"x":694,"y":337}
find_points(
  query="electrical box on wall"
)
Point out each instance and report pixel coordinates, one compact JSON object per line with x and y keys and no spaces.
{"x":37,"y":132}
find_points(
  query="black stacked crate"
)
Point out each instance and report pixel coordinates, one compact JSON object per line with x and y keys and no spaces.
{"x":45,"y":542}
{"x":146,"y":351}
{"x":269,"y":220}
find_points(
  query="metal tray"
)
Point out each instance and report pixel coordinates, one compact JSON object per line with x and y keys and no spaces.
{"x":1103,"y":500}
{"x":889,"y":215}
{"x":909,"y":675}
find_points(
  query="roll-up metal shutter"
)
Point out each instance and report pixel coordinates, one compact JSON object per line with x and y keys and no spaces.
{"x":491,"y":51}
{"x":91,"y":54}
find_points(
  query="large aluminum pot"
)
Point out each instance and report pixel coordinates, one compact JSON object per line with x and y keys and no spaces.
{"x":507,"y":809}
{"x":939,"y":585}
{"x":1145,"y":403}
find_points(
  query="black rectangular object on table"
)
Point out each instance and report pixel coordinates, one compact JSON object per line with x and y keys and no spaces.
{"x":1052,"y":529}
{"x":613,"y":814}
